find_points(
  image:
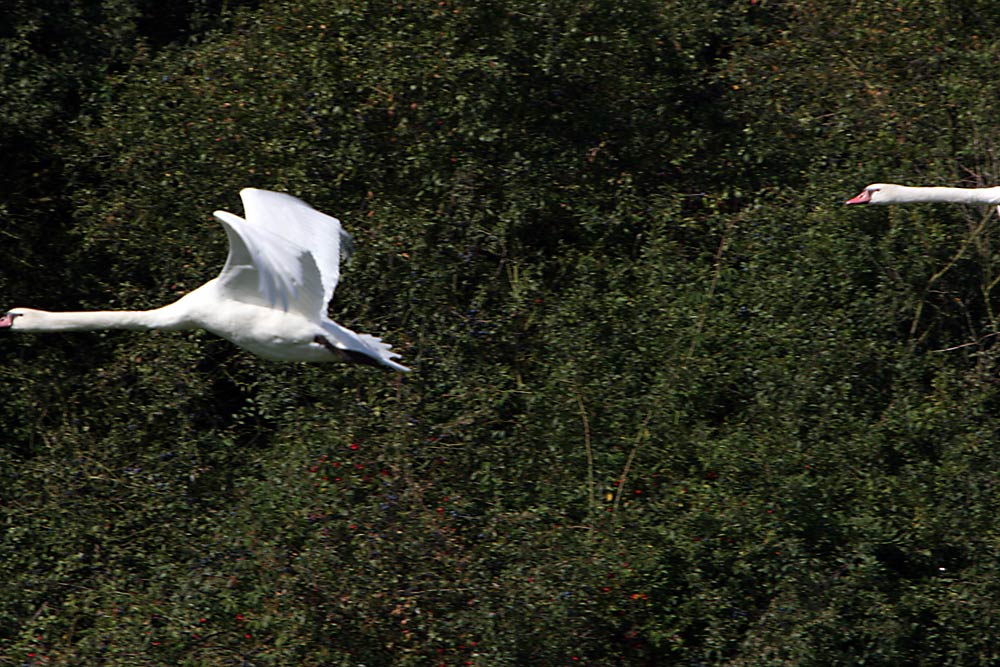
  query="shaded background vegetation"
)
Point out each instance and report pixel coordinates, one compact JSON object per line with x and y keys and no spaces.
{"x":672,"y":403}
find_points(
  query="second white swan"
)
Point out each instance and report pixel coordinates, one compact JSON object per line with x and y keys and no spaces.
{"x":890,"y":193}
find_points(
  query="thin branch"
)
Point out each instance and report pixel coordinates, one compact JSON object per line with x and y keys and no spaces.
{"x":976,"y":343}
{"x":590,"y":454}
{"x":940,"y":273}
{"x":957,"y":347}
{"x":716,"y":274}
{"x":639,"y":437}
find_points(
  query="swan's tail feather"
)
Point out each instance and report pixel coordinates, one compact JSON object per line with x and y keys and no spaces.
{"x":382,"y":352}
{"x":362,"y":348}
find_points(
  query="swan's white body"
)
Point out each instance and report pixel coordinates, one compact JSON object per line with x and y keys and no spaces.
{"x":270,"y":298}
{"x":889,"y":193}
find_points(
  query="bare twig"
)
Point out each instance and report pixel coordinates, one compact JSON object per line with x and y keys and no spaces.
{"x":943,"y":270}
{"x":975,"y":343}
{"x":717,"y":273}
{"x":639,"y":437}
{"x":590,"y":454}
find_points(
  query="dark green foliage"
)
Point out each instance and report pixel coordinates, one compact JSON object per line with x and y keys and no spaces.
{"x":672,"y":403}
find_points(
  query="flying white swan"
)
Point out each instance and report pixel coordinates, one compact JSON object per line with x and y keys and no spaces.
{"x":888,"y":193}
{"x":270,"y":299}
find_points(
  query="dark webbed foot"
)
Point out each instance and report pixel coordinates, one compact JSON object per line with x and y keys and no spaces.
{"x":348,"y":356}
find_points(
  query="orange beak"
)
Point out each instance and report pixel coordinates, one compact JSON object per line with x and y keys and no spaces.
{"x":862,"y":198}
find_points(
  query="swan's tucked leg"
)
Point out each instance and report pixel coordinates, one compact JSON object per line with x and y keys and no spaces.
{"x":349,"y":356}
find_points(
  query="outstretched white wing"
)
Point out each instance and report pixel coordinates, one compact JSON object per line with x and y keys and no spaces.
{"x":303,"y":225}
{"x":285,"y":253}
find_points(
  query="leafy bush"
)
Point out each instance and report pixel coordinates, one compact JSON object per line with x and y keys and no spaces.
{"x":672,"y":403}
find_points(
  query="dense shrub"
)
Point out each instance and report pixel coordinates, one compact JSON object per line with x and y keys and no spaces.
{"x":671,"y":404}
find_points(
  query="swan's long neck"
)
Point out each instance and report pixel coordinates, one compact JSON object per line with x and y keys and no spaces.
{"x":41,"y":320}
{"x":907,"y":194}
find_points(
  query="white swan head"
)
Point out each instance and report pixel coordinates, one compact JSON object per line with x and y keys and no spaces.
{"x":29,"y":319}
{"x":879,"y":193}
{"x":7,"y":319}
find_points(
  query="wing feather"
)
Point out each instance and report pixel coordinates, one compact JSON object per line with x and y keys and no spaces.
{"x":284,"y":253}
{"x":298,"y":222}
{"x":268,"y":270}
